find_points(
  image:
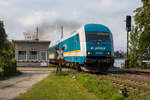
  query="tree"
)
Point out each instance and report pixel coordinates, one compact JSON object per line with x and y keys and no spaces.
{"x":7,"y":61}
{"x":6,"y":47}
{"x":3,"y":36}
{"x":134,"y":54}
{"x":142,"y":21}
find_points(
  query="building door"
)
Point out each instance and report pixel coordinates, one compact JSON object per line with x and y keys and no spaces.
{"x":43,"y":57}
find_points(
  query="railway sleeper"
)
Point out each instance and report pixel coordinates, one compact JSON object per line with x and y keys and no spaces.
{"x":134,"y":86}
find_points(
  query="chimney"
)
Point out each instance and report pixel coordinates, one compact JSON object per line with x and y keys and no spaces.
{"x":37,"y":34}
{"x":61,"y":32}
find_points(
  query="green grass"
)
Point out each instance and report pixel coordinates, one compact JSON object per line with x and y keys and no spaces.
{"x":76,"y":86}
{"x":58,"y":87}
{"x":51,"y":66}
{"x":102,"y":89}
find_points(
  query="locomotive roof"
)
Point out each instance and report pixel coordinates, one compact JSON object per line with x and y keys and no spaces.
{"x":95,"y":27}
{"x":87,"y":27}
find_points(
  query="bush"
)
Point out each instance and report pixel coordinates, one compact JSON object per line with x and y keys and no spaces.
{"x":7,"y":61}
{"x":10,"y":68}
{"x":7,"y":67}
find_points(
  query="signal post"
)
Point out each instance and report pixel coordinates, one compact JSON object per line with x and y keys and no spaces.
{"x":128,"y":28}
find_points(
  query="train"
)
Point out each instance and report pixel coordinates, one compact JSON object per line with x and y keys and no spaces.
{"x":90,"y":48}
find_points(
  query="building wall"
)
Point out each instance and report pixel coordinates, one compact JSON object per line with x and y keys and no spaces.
{"x":30,"y":46}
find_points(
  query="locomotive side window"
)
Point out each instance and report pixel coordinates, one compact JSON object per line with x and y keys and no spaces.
{"x":77,"y":37}
{"x":97,"y":36}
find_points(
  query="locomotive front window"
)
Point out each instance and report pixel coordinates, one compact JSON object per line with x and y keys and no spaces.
{"x":97,"y":36}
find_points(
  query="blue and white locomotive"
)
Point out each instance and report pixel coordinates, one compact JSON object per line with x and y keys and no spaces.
{"x":91,"y":47}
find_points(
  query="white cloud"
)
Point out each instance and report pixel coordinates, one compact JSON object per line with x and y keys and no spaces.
{"x":37,"y":17}
{"x":75,"y":14}
{"x":111,"y":6}
{"x":20,"y":15}
{"x":4,"y":3}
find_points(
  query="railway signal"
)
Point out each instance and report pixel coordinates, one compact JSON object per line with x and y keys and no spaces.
{"x":60,"y":58}
{"x":128,"y":28}
{"x":128,"y":23}
{"x":60,"y":54}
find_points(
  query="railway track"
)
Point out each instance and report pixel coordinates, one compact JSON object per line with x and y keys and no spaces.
{"x":135,"y":79}
{"x":127,"y":83}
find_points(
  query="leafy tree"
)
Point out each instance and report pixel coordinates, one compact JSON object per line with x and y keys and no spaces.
{"x":3,"y":36}
{"x":134,"y":54}
{"x":140,"y":34}
{"x":7,"y":61}
{"x":142,"y":21}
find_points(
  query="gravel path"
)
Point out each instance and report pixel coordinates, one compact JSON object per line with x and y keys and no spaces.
{"x":15,"y":86}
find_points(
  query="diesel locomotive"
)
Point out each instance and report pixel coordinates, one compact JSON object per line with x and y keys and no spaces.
{"x":91,"y":47}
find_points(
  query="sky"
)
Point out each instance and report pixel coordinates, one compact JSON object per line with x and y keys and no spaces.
{"x":25,"y":15}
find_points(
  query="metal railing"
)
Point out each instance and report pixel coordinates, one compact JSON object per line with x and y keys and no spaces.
{"x":32,"y":57}
{"x":21,"y":57}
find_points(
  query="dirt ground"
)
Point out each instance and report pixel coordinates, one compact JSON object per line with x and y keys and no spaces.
{"x":15,"y":86}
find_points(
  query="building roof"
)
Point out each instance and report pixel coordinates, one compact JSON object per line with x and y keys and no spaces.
{"x":31,"y":41}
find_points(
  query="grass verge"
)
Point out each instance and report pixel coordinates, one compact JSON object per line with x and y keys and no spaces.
{"x":58,"y":87}
{"x":51,"y":66}
{"x":76,"y":86}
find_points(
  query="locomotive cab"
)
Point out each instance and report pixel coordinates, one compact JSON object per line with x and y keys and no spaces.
{"x":99,"y":47}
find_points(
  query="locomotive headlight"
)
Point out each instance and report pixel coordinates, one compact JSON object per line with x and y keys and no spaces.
{"x":90,"y":53}
{"x":107,"y":53}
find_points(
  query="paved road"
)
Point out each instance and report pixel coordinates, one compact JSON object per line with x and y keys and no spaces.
{"x":15,"y":86}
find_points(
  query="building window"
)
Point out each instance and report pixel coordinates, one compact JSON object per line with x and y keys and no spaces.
{"x":28,"y":37}
{"x":43,"y":55}
{"x":22,"y":55}
{"x":33,"y":55}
